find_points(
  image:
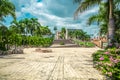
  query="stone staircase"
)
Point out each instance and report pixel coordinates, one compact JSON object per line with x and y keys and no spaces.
{"x":67,"y":43}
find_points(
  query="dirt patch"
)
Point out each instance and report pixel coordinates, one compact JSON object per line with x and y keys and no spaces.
{"x":43,"y":50}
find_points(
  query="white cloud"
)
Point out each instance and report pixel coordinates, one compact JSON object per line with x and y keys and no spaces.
{"x":18,"y":14}
{"x":38,"y":5}
{"x":55,"y":13}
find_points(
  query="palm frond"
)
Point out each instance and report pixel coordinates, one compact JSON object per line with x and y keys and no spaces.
{"x":85,"y":5}
{"x":77,"y":1}
{"x":103,"y":28}
{"x":92,"y":19}
{"x":7,"y":8}
{"x":117,"y":4}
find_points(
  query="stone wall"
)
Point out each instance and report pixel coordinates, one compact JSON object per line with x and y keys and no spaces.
{"x":99,"y":41}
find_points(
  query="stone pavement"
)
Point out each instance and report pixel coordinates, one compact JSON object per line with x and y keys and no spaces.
{"x":61,"y":64}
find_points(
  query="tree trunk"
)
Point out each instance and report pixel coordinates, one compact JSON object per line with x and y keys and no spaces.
{"x":111,"y":25}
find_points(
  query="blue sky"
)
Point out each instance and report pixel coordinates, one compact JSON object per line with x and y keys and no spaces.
{"x":54,"y":13}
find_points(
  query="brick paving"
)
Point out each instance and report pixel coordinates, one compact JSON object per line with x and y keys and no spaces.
{"x":60,"y":64}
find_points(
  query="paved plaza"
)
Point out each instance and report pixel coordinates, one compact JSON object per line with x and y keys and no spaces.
{"x":60,"y":64}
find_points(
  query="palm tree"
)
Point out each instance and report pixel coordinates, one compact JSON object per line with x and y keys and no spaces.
{"x":3,"y":37}
{"x":29,"y":25}
{"x":111,"y":25}
{"x":86,"y":4}
{"x":101,"y":18}
{"x":21,"y":27}
{"x":35,"y":25}
{"x":6,"y":8}
{"x":63,"y":32}
{"x":15,"y":27}
{"x":44,"y":30}
{"x":71,"y":34}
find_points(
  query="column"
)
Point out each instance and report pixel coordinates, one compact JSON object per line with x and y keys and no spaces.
{"x":66,"y":33}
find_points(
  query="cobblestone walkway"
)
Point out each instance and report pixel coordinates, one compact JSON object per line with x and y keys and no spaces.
{"x":61,"y":64}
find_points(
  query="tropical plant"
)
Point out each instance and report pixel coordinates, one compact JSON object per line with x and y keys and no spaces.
{"x":111,"y":4}
{"x":15,"y":27}
{"x":44,"y":30}
{"x":101,"y":18}
{"x":63,"y":32}
{"x":26,"y":26}
{"x":84,"y":43}
{"x":3,"y":37}
{"x":6,"y":8}
{"x":79,"y":34}
{"x":33,"y":25}
{"x":108,"y":62}
{"x":62,"y":43}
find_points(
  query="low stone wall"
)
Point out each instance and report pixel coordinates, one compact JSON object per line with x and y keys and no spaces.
{"x":13,"y":51}
{"x":99,"y":42}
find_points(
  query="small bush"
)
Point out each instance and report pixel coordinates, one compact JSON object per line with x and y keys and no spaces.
{"x":85,"y":43}
{"x":31,"y":41}
{"x":90,"y":44}
{"x":62,"y":43}
{"x":108,"y":62}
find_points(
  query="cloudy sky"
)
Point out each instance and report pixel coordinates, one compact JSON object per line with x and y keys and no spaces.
{"x":54,"y":13}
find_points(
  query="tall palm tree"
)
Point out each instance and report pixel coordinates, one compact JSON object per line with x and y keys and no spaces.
{"x":35,"y":25}
{"x":86,"y":4}
{"x":30,"y":25}
{"x":44,"y":30}
{"x":15,"y":27}
{"x":6,"y":8}
{"x":21,"y":27}
{"x":101,"y":18}
{"x":111,"y":24}
{"x":63,"y":32}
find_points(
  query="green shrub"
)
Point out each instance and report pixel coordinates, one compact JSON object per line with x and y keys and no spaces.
{"x":84,"y":43}
{"x":62,"y":43}
{"x":81,"y":44}
{"x":97,"y":55}
{"x":89,"y":44}
{"x":108,"y":61}
{"x":30,"y":41}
